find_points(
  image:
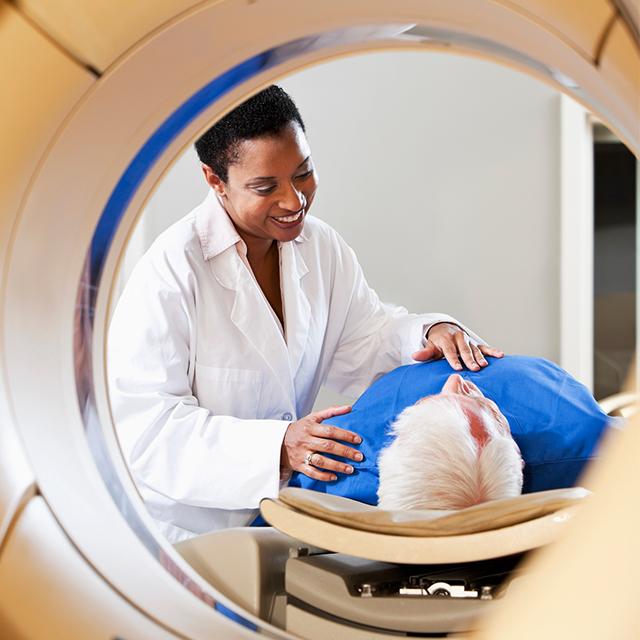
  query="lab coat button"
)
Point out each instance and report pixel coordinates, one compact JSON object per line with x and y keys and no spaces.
{"x":287,"y":416}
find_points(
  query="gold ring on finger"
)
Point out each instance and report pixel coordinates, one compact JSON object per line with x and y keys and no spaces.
{"x":309,"y":457}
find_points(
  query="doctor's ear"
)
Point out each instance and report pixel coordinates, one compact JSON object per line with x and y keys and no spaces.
{"x":213,"y":180}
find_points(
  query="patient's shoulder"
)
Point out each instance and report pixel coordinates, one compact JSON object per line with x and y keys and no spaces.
{"x":541,"y":386}
{"x":521,"y":365}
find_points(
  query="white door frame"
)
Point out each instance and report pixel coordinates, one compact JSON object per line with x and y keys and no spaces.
{"x":576,"y":240}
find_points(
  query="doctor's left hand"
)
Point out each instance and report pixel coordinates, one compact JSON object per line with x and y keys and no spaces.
{"x":307,"y":439}
{"x":451,"y":342}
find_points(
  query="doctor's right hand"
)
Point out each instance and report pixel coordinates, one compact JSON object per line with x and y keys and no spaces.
{"x":307,"y":439}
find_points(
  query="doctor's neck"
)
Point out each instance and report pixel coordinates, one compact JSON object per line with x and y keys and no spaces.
{"x":259,"y":250}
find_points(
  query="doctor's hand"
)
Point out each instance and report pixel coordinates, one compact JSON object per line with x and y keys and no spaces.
{"x":307,"y":439}
{"x":451,"y":342}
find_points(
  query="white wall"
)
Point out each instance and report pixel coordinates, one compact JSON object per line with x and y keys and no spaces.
{"x":443,"y":173}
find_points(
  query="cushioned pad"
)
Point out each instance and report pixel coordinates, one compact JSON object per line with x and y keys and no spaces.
{"x":482,"y":517}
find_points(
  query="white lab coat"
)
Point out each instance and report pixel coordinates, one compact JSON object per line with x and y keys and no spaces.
{"x":203,"y":383}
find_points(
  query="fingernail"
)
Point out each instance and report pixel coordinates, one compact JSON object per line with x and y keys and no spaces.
{"x":357,"y":439}
{"x":458,"y":367}
{"x":359,"y":456}
{"x":334,"y":477}
{"x":348,"y":469}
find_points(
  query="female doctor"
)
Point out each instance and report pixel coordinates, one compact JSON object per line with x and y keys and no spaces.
{"x":233,"y":320}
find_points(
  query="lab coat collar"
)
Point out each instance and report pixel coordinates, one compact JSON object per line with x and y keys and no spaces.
{"x":215,"y":229}
{"x":221,"y":246}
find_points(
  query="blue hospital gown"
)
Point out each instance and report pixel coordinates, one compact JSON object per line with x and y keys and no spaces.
{"x":553,"y":418}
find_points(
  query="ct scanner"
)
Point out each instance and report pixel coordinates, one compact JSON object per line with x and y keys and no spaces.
{"x":98,"y":99}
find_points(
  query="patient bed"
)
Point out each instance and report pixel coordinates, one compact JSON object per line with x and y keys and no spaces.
{"x":330,"y":567}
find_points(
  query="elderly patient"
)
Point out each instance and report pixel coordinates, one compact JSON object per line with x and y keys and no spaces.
{"x":437,"y":439}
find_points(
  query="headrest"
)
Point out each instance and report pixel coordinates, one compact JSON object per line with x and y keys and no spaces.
{"x":486,"y":516}
{"x":488,"y":530}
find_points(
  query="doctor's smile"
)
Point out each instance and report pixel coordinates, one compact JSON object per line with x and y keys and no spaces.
{"x":288,"y":222}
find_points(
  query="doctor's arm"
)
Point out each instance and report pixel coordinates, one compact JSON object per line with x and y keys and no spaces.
{"x":378,"y":337}
{"x":171,"y":444}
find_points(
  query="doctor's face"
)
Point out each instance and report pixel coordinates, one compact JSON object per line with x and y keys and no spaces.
{"x":270,"y":186}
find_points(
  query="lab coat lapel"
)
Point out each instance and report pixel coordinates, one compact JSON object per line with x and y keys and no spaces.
{"x":297,"y":309}
{"x":253,"y":318}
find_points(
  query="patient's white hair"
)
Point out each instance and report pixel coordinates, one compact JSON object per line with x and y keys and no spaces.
{"x":436,"y":463}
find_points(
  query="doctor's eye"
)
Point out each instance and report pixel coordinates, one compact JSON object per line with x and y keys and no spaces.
{"x":305,"y":175}
{"x":264,"y":190}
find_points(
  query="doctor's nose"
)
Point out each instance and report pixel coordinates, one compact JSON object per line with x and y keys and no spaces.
{"x":292,"y":200}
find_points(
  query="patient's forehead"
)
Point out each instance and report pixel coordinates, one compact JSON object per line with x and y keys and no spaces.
{"x":483,"y":416}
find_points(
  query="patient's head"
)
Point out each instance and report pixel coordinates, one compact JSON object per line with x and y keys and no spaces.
{"x":452,"y":450}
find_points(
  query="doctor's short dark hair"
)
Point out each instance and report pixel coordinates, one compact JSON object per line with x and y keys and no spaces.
{"x":265,"y":114}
